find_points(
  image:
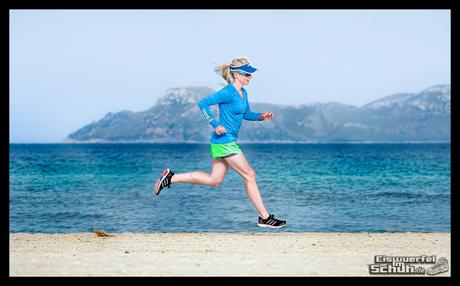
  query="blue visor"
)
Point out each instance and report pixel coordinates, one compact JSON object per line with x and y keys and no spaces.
{"x":246,"y":68}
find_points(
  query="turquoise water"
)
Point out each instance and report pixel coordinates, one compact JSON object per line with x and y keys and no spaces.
{"x":56,"y":188}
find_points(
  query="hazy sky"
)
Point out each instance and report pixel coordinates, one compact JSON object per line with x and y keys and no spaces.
{"x":70,"y":67}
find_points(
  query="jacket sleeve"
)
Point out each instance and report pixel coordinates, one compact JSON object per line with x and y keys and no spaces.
{"x":249,"y":115}
{"x":215,"y":98}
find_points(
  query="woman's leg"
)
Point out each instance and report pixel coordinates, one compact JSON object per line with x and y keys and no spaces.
{"x":219,"y":170}
{"x":241,"y":166}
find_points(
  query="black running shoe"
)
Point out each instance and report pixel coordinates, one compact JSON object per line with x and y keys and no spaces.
{"x":164,"y":181}
{"x":271,"y":221}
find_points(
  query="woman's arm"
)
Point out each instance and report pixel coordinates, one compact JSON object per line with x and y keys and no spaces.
{"x":215,"y":98}
{"x":249,"y":115}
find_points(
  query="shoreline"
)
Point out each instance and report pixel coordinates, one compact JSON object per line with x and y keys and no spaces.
{"x":239,"y":142}
{"x":219,"y":254}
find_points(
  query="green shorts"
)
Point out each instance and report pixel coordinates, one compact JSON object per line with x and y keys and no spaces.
{"x":224,"y":150}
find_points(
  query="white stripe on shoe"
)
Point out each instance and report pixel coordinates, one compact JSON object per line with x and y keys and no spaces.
{"x":270,"y":226}
{"x":163,"y":182}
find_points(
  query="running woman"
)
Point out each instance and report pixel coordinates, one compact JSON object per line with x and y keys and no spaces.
{"x":225,"y":152}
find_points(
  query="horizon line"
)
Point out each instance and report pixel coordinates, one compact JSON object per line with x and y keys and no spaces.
{"x":242,"y":142}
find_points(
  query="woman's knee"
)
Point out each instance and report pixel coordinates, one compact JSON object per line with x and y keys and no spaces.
{"x":249,"y":175}
{"x":216,"y":182}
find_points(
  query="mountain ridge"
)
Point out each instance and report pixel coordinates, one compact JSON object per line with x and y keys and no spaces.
{"x":175,"y":117}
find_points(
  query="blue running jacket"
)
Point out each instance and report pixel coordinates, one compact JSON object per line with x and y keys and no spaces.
{"x":232,"y":111}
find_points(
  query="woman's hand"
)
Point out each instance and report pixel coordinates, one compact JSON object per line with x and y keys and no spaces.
{"x":266,"y":115}
{"x":220,"y":130}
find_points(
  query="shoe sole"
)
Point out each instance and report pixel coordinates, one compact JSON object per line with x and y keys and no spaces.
{"x":158,"y":184}
{"x":271,"y":226}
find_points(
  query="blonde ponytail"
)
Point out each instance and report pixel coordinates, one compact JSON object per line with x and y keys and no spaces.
{"x":224,"y":71}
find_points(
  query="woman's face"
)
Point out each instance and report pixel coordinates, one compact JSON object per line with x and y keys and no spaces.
{"x":242,"y":77}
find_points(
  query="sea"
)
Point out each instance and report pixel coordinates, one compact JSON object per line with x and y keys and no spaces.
{"x":62,"y":188}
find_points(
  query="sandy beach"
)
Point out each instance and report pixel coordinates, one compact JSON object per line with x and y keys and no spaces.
{"x":218,"y":254}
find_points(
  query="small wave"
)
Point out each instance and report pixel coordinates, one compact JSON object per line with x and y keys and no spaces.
{"x":73,"y":215}
{"x":410,"y":195}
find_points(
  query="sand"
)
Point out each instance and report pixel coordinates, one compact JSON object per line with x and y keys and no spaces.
{"x":217,"y":254}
